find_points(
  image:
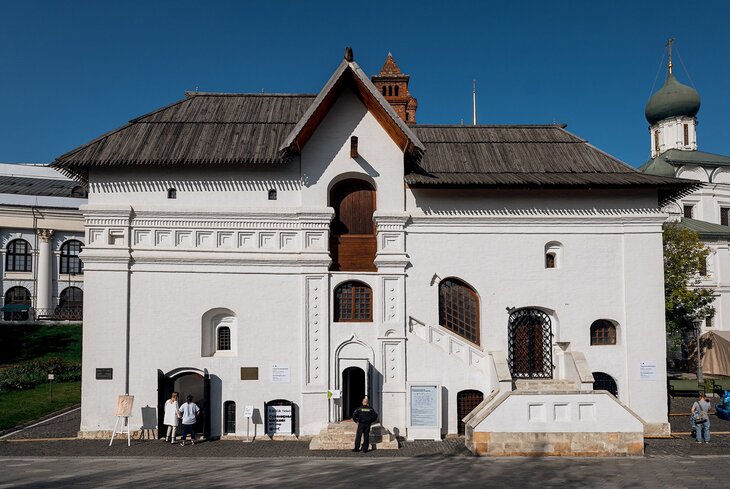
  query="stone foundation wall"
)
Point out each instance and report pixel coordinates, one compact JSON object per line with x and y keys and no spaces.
{"x":557,"y":444}
{"x":657,"y":429}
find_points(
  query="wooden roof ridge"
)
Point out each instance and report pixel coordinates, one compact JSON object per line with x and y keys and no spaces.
{"x":324,"y":100}
{"x":191,"y":94}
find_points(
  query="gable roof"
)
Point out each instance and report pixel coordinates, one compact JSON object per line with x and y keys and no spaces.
{"x":348,"y":73}
{"x":203,"y":128}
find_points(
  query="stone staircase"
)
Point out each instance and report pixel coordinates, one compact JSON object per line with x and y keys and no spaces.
{"x":446,"y":341}
{"x":341,"y":436}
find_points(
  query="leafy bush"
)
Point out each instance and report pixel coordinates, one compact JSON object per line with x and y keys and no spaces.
{"x":29,"y":374}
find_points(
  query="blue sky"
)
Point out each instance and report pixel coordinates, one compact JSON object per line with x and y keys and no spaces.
{"x":72,"y":70}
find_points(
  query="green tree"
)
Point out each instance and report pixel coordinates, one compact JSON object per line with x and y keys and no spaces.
{"x":685,"y":259}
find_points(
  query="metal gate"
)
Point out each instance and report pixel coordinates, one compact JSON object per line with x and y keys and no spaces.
{"x":466,"y":401}
{"x":530,"y":345}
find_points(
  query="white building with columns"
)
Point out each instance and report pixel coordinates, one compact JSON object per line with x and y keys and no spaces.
{"x":42,"y":233}
{"x":294,"y":253}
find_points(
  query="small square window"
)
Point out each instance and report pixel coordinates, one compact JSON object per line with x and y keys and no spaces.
{"x":272,"y":194}
{"x":171,"y":193}
{"x":687,"y":210}
{"x":708,"y":321}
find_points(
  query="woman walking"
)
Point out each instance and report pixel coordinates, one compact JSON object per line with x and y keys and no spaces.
{"x":172,"y":415}
{"x":701,"y":418}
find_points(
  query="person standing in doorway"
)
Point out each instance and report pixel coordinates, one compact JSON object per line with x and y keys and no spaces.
{"x":701,"y":417}
{"x":364,"y":416}
{"x":189,"y":412}
{"x":172,"y":417}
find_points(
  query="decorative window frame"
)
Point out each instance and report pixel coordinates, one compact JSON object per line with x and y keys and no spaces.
{"x":211,"y":323}
{"x":616,"y":335}
{"x":335,"y":302}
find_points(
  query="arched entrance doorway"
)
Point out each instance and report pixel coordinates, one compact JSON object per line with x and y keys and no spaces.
{"x":466,"y":401}
{"x":530,"y":344}
{"x":604,"y":382}
{"x":352,"y":236}
{"x":353,"y":390}
{"x":193,"y":383}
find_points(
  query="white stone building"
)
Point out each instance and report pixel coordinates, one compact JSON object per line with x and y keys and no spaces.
{"x":672,"y":116}
{"x":42,"y":233}
{"x":252,"y":249}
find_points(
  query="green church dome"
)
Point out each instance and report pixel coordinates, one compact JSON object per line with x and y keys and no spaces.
{"x":673,"y":99}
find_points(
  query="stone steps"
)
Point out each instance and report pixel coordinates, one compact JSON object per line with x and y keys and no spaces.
{"x":341,"y":436}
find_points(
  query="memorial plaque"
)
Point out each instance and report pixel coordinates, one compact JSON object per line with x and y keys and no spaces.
{"x":104,"y":373}
{"x":424,"y":406}
{"x":249,"y":373}
{"x":279,"y":420}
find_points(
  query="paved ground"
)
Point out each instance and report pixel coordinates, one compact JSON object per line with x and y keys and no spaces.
{"x":414,"y":472}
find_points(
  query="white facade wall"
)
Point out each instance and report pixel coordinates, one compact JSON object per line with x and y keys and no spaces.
{"x":156,"y":268}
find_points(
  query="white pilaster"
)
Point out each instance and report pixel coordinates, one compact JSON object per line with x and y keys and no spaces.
{"x":44,"y":284}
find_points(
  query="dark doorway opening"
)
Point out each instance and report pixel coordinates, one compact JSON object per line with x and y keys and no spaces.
{"x":229,"y":418}
{"x":353,"y":390}
{"x":604,"y":382}
{"x":466,"y":401}
{"x":188,"y":383}
{"x":352,"y":235}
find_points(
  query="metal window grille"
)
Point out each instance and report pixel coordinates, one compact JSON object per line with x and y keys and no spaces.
{"x":687,"y":209}
{"x":466,"y":401}
{"x":708,"y":322}
{"x":724,"y":216}
{"x":530,"y":344}
{"x":459,"y":309}
{"x":230,"y":417}
{"x":224,"y":338}
{"x":353,"y":302}
{"x":604,"y":382}
{"x":70,"y":261}
{"x":603,"y":332}
{"x":19,"y":256}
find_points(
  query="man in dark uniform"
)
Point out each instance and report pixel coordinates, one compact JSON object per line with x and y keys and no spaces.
{"x":364,"y":416}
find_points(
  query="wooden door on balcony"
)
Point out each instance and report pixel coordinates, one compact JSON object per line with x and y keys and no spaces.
{"x":352,"y":236}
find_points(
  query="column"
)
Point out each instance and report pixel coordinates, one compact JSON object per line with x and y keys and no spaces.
{"x":44,"y":282}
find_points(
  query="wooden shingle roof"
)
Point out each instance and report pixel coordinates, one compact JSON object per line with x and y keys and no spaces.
{"x":203,"y":128}
{"x":520,"y":155}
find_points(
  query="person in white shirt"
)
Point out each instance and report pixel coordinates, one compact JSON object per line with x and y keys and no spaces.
{"x":172,"y":417}
{"x":188,"y":412}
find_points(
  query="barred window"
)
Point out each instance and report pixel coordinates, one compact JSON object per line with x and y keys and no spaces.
{"x":19,"y":257}
{"x":353,"y":302}
{"x":70,"y":261}
{"x":224,"y":338}
{"x":459,"y":309}
{"x":603,"y":332}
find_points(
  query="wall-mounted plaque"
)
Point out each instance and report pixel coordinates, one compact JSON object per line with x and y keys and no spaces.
{"x":249,"y":373}
{"x":280,"y":373}
{"x":424,"y":407}
{"x":104,"y":373}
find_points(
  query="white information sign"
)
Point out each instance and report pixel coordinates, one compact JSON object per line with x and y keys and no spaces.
{"x":334,"y":394}
{"x":424,"y":406}
{"x":247,"y":411}
{"x":279,"y":420}
{"x":647,"y":371}
{"x":280,"y":373}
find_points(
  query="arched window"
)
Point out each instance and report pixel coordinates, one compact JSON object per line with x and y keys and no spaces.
{"x":19,"y":256}
{"x":385,"y":91}
{"x":219,"y":333}
{"x":604,"y":382}
{"x":70,"y":261}
{"x":466,"y":401}
{"x":459,"y":309}
{"x":553,"y":254}
{"x":396,"y":90}
{"x":17,"y":303}
{"x":223,"y":335}
{"x":390,"y":90}
{"x":171,"y":193}
{"x":353,"y":302}
{"x":603,"y":332}
{"x":352,"y":236}
{"x":79,"y":192}
{"x":71,"y":303}
{"x":229,"y":417}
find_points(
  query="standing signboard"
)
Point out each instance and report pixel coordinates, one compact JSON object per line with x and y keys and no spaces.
{"x":424,"y":412}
